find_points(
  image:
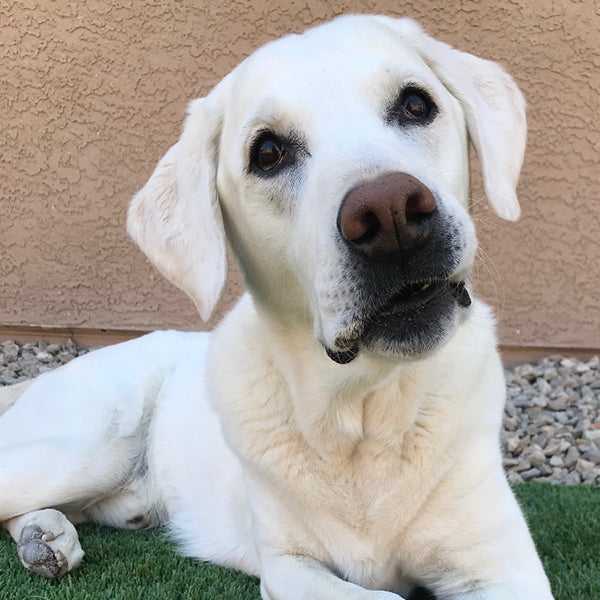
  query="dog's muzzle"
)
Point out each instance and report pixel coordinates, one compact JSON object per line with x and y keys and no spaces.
{"x":404,"y":255}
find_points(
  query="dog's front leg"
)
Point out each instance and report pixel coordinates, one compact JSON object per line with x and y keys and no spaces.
{"x":292,"y":577}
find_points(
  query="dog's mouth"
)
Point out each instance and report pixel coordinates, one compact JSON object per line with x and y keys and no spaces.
{"x":403,"y":314}
{"x":416,"y":296}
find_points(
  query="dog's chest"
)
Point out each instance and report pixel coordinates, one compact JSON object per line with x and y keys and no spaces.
{"x":355,"y":505}
{"x":363,"y":490}
{"x":354,"y":513}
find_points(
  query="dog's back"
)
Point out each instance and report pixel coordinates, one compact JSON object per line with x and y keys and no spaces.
{"x":10,"y":394}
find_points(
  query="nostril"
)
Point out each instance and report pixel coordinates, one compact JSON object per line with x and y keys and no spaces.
{"x":419,"y":207}
{"x":371,"y":229}
{"x":361,"y":227}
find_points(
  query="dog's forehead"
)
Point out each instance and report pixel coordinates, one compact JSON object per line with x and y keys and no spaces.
{"x":334,"y":56}
{"x":339,"y":42}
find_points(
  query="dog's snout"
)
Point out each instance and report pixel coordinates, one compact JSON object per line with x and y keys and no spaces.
{"x":383,"y":217}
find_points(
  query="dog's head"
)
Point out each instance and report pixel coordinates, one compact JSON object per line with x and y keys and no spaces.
{"x":337,"y":163}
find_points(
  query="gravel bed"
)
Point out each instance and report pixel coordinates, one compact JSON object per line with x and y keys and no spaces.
{"x":551,"y":420}
{"x":19,"y":362}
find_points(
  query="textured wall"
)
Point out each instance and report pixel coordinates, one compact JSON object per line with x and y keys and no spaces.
{"x":92,"y":94}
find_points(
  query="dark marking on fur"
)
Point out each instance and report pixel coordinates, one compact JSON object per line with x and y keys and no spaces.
{"x":421,"y":593}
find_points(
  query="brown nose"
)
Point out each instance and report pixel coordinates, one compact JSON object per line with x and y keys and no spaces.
{"x":384,"y":217}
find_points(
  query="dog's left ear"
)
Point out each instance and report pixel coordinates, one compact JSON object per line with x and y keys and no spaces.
{"x":494,"y":109}
{"x":176,"y":218}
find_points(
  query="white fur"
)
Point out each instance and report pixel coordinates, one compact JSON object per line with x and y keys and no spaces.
{"x":328,"y":481}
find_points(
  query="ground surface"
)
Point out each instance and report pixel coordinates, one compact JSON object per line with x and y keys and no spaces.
{"x":120,"y":565}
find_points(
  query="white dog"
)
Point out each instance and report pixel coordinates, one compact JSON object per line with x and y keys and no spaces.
{"x":337,"y":435}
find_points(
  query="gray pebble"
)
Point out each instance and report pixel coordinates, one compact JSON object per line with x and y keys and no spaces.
{"x":530,"y":474}
{"x":571,"y":457}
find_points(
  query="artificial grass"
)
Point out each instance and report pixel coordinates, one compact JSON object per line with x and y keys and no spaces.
{"x":125,"y":565}
{"x":565,"y":524}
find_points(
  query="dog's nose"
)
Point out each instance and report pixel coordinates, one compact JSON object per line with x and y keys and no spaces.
{"x":386,"y":216}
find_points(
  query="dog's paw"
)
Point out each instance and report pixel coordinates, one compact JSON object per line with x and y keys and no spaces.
{"x":48,"y":544}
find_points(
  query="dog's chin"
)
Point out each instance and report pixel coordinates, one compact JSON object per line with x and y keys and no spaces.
{"x":409,"y":325}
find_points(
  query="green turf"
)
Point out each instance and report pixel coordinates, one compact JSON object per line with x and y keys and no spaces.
{"x":122,"y":565}
{"x":565,"y":524}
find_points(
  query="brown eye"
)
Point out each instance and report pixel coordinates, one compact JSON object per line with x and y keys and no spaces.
{"x":416,"y":106}
{"x":268,"y":152}
{"x":413,"y":107}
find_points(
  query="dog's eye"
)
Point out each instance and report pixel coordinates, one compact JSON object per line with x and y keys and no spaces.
{"x":415,"y":105}
{"x":268,"y":152}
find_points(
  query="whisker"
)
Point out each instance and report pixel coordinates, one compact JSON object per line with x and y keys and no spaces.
{"x":485,"y":260}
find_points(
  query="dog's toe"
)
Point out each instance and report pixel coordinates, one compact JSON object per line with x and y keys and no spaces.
{"x":48,"y":537}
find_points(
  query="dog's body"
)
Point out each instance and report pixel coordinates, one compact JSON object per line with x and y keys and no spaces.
{"x":338,"y":432}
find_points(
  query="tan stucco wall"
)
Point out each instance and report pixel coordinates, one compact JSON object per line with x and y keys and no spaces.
{"x":92,"y":94}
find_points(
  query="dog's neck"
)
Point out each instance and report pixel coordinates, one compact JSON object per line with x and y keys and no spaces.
{"x":335,"y":406}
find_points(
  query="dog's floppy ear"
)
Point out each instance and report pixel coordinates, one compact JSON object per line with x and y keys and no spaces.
{"x":494,"y":109}
{"x":176,"y":219}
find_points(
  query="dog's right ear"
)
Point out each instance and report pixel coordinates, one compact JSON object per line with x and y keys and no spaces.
{"x":176,"y":219}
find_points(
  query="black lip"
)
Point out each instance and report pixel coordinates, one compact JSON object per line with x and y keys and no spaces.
{"x":343,"y":357}
{"x":414,"y":320}
{"x":461,"y":294}
{"x":413,"y":297}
